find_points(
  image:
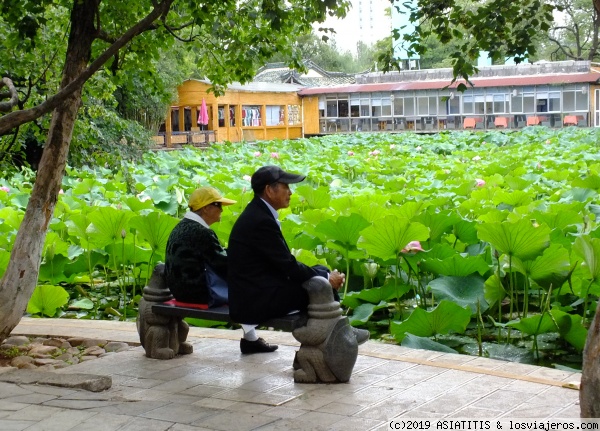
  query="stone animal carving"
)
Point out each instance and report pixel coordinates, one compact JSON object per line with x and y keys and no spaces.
{"x":329,"y":345}
{"x":162,"y":337}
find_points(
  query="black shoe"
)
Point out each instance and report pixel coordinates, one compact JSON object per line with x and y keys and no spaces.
{"x":258,"y":346}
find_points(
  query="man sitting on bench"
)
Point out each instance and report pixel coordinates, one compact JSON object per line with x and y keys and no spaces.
{"x":265,"y":279}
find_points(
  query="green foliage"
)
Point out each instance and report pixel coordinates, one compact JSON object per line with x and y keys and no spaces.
{"x":493,"y":261}
{"x":445,"y":318}
{"x":47,"y":299}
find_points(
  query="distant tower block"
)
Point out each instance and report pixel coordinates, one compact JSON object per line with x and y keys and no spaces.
{"x":401,"y":20}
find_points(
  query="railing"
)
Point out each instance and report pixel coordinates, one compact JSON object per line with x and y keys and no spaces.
{"x":201,"y":138}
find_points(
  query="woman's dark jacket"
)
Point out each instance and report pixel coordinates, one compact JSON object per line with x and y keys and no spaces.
{"x":189,"y":247}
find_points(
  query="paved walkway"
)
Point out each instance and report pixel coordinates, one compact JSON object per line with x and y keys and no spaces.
{"x":216,"y":388}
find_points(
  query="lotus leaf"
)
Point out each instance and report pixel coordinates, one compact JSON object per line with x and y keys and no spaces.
{"x":445,"y":318}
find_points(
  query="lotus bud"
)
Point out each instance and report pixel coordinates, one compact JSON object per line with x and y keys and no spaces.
{"x":371,"y":269}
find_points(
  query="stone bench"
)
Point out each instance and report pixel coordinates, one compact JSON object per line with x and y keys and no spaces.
{"x":328,"y":349}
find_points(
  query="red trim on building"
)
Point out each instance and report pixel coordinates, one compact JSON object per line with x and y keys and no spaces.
{"x":504,"y":81}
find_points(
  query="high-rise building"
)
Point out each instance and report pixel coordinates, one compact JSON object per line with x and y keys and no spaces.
{"x":367,"y":21}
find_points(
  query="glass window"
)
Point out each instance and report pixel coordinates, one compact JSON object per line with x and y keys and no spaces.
{"x":554,"y":101}
{"x":500,"y":103}
{"x":175,"y":120}
{"x":251,"y":116}
{"x":187,"y":118}
{"x":467,"y":104}
{"x":232,"y":109}
{"x":343,"y":108}
{"x":221,"y":114}
{"x":409,"y":106}
{"x":398,"y":106}
{"x":275,"y":115}
{"x":569,"y":101}
{"x":529,"y":102}
{"x":332,"y":109}
{"x":581,"y":100}
{"x":454,"y":105}
{"x":294,"y":115}
{"x":516,"y":102}
{"x":386,"y":106}
{"x":365,"y":106}
{"x":422,"y":105}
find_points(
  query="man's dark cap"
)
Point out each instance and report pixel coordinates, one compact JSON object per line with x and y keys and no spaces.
{"x":273,"y":174}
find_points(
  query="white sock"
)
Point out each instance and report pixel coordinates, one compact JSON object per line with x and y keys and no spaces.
{"x":249,"y":332}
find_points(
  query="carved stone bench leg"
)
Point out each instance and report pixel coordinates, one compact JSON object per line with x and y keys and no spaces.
{"x":329,"y":345}
{"x":162,"y":337}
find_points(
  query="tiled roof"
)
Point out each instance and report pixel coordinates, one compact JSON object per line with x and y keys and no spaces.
{"x":503,"y":81}
{"x":316,"y":76}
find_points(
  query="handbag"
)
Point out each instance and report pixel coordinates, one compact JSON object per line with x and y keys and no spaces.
{"x":218,"y":291}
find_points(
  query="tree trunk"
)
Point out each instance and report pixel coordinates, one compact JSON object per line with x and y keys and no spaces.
{"x":589,"y":392}
{"x":20,"y":278}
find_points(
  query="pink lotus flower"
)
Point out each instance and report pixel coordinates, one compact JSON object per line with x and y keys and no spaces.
{"x":257,"y":154}
{"x":547,"y":141}
{"x":539,"y":165}
{"x":412,"y":246}
{"x":479,"y":182}
{"x":374,"y":153}
{"x":274,"y":155}
{"x":5,"y":189}
{"x":476,"y":158}
{"x":350,"y":153}
{"x":61,"y":192}
{"x":247,"y":177}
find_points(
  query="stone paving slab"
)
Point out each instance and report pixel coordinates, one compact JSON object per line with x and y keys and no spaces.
{"x":217,"y":388}
{"x":88,"y":382}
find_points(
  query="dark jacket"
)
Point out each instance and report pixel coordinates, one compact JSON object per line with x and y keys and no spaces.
{"x":189,"y":247}
{"x":264,"y":278}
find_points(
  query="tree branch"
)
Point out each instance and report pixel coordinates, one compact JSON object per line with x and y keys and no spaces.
{"x":12,"y":92}
{"x":18,"y":118}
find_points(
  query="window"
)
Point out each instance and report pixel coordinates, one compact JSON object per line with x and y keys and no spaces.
{"x":175,"y":120}
{"x":275,"y":115}
{"x":332,"y":109}
{"x":398,"y":106}
{"x":251,"y":116}
{"x":294,"y":115}
{"x":500,"y":103}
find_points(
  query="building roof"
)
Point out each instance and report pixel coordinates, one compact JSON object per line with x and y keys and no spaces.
{"x":500,"y":81}
{"x":258,"y":87}
{"x":314,"y":76}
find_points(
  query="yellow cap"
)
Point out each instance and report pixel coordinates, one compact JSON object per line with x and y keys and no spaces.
{"x":206,"y":196}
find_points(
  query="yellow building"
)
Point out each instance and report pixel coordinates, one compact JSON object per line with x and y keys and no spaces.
{"x":250,"y":112}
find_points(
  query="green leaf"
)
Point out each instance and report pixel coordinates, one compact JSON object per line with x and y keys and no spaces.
{"x":445,"y":318}
{"x":550,"y":269}
{"x":388,"y":236}
{"x":314,"y":197}
{"x":154,"y":228}
{"x":47,"y":299}
{"x":82,"y":304}
{"x":377,"y":295}
{"x":589,"y":249}
{"x":108,"y":225}
{"x":520,"y":239}
{"x":363,"y":313}
{"x":415,"y":342}
{"x":456,"y":265}
{"x":464,"y":291}
{"x":438,"y":222}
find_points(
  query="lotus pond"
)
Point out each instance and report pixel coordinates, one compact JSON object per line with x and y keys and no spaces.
{"x":482,"y":243}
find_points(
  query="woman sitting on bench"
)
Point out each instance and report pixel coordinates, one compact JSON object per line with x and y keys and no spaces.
{"x":192,"y":245}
